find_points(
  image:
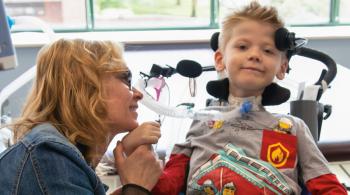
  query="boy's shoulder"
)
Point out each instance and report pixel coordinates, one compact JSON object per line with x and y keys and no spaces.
{"x":299,"y":127}
{"x":294,"y":120}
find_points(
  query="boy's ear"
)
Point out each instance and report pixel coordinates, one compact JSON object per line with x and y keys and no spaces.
{"x":283,"y":69}
{"x":219,"y":65}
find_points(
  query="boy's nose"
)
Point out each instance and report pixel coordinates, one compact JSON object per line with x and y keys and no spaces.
{"x":255,"y":55}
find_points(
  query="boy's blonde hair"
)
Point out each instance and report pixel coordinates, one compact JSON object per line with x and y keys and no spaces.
{"x":253,"y":11}
{"x":67,"y":91}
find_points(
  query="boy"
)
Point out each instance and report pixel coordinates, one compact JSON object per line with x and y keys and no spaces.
{"x":257,"y":152}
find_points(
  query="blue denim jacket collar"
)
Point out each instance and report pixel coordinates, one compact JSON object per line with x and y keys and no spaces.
{"x":47,"y":132}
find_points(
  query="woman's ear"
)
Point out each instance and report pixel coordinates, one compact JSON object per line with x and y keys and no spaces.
{"x":283,"y":69}
{"x":219,"y":64}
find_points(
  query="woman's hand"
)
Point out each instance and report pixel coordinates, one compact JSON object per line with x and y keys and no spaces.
{"x":141,"y":167}
{"x":146,"y":133}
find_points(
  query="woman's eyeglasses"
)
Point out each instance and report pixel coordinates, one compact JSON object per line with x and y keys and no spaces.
{"x":126,"y":78}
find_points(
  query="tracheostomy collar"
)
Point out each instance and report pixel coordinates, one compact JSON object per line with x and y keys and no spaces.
{"x":245,"y":104}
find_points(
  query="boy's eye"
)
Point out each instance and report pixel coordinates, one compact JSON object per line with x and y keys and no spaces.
{"x":269,"y":51}
{"x":241,"y":47}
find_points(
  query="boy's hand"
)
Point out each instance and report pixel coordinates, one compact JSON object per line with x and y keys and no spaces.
{"x":146,"y":133}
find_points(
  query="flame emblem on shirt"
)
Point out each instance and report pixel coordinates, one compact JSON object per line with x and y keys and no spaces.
{"x":277,"y":154}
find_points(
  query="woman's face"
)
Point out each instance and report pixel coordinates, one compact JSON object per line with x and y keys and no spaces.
{"x":121,"y":101}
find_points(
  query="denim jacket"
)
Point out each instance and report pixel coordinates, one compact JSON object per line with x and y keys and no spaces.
{"x":45,"y":162}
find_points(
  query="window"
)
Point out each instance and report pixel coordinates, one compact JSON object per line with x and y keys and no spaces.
{"x":294,"y":12}
{"x":58,"y":13}
{"x":344,"y":13}
{"x":152,"y":14}
{"x":103,"y":15}
{"x":95,"y":15}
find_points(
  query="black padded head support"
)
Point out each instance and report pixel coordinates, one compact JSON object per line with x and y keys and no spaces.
{"x":275,"y":95}
{"x":272,"y":95}
{"x":284,"y":40}
{"x":219,"y":88}
{"x":214,"y":41}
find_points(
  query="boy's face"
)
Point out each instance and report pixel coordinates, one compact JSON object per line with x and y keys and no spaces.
{"x":251,"y":58}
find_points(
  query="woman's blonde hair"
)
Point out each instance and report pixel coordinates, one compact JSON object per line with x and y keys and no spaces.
{"x":253,"y":11}
{"x":67,"y":91}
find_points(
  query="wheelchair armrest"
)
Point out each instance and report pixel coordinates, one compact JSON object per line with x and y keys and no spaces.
{"x":335,"y":150}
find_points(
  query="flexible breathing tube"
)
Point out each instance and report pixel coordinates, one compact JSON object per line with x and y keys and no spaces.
{"x":209,"y":113}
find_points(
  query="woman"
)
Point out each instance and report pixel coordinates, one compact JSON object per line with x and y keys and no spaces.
{"x":81,"y":98}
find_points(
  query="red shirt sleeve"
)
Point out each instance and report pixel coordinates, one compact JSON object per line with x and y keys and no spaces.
{"x":172,"y":181}
{"x":325,"y":184}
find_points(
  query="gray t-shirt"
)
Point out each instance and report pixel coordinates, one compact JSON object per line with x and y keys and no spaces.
{"x":250,"y":132}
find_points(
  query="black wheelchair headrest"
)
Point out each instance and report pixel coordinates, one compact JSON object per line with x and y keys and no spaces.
{"x":272,"y":95}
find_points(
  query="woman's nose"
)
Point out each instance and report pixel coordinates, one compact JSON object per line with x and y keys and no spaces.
{"x":137,"y":94}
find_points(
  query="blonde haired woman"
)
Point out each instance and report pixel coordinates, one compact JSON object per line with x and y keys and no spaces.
{"x":81,"y":98}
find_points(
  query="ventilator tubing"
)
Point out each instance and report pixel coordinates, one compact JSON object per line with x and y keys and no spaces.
{"x":209,"y":113}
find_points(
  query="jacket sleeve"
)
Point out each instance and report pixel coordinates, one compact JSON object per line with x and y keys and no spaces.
{"x":172,"y":181}
{"x":325,"y":184}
